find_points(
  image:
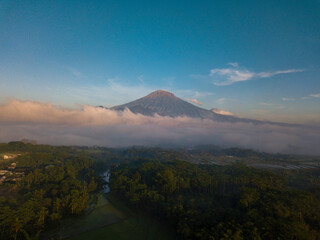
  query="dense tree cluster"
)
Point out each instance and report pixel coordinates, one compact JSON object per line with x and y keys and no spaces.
{"x":57,"y":183}
{"x":214,"y":202}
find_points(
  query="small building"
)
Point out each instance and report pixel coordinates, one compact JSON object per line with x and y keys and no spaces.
{"x":2,"y":179}
{"x":49,"y":166}
{"x":19,"y":173}
{"x":9,"y":156}
{"x":15,"y":179}
{"x":4,"y":172}
{"x":12,"y":166}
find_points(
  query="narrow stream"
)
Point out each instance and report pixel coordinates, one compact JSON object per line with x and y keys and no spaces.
{"x":106,"y":177}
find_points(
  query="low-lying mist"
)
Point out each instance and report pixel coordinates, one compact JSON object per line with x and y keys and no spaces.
{"x":89,"y":125}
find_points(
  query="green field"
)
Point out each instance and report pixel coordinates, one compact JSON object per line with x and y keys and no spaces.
{"x":101,"y":214}
{"x":138,"y":227}
{"x":110,"y":219}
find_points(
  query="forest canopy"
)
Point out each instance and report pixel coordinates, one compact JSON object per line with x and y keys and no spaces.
{"x":214,"y":202}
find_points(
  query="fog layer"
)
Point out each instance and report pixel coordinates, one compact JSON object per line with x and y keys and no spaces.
{"x":89,"y":125}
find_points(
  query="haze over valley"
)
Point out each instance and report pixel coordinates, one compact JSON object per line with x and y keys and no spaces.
{"x":159,"y":120}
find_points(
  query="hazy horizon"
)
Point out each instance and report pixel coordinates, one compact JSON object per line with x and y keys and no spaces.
{"x":259,"y":60}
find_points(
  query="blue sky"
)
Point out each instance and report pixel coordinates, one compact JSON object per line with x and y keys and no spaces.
{"x":258,"y":59}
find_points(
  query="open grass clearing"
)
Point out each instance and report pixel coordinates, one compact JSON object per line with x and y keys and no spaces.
{"x":102,"y":214}
{"x":134,"y":228}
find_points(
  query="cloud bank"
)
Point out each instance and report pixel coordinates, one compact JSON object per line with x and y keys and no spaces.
{"x":89,"y":125}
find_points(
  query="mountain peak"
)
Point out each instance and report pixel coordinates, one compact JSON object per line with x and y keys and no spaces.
{"x":160,"y":93}
{"x":164,"y":103}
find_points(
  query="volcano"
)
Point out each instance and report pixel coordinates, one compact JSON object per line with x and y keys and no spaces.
{"x":164,"y":103}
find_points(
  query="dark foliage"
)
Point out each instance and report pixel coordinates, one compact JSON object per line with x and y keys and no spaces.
{"x":56,"y":183}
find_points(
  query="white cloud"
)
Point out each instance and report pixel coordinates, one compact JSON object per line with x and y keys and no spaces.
{"x":271,"y":74}
{"x":221,"y":100}
{"x":316,"y":95}
{"x":228,"y":76}
{"x":195,"y":101}
{"x":287,"y":99}
{"x":272,"y":105}
{"x":231,"y":75}
{"x":233,"y":64}
{"x":223,"y":112}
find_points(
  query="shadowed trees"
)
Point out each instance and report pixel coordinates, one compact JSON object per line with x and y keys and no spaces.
{"x":212,"y":202}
